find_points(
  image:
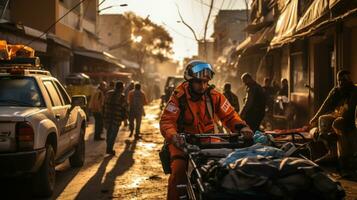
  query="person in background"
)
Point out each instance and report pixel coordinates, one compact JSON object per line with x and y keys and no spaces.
{"x":137,"y":101}
{"x":115,"y":111}
{"x":253,"y":110}
{"x":284,"y":90}
{"x":127,"y":89}
{"x":276,"y":87}
{"x":232,"y":98}
{"x":337,"y":114}
{"x":269,"y":92}
{"x":111,"y":85}
{"x":96,"y":106}
{"x":156,"y":91}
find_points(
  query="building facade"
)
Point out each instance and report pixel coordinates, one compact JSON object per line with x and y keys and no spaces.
{"x":311,"y":41}
{"x":66,"y":27}
{"x":228,"y":29}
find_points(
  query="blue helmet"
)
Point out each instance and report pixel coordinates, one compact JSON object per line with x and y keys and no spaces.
{"x":197,"y":69}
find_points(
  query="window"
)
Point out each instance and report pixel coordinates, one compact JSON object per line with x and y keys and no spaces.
{"x":20,"y":91}
{"x":63,"y":94}
{"x":52,"y":92}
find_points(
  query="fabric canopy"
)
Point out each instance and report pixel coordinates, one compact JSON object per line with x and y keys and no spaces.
{"x":260,"y":38}
{"x":333,"y":3}
{"x":316,"y":10}
{"x":286,"y":24}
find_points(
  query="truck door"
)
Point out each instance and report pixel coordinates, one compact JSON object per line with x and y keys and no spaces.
{"x":59,"y":117}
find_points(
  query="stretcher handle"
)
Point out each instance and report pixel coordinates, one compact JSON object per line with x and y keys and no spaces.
{"x":292,"y":134}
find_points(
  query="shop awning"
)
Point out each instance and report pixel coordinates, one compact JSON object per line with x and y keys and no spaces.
{"x":324,"y":23}
{"x":104,"y":56}
{"x":315,"y":11}
{"x":286,"y":24}
{"x":258,"y":39}
{"x":332,"y":3}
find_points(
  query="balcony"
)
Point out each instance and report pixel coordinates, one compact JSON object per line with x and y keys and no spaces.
{"x":71,"y":19}
{"x":89,"y":25}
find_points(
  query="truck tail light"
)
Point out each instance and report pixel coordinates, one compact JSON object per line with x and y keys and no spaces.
{"x":25,"y":136}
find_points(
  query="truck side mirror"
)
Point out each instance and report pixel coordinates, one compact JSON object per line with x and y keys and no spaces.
{"x":79,"y":100}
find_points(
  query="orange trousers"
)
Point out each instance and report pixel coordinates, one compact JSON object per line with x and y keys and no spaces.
{"x":178,"y":175}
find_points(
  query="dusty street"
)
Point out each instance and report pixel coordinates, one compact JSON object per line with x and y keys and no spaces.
{"x":134,"y":173}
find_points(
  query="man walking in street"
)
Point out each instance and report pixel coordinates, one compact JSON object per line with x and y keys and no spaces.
{"x":231,"y":97}
{"x":115,"y":112}
{"x":128,"y":88}
{"x":96,"y":106}
{"x":253,"y":110}
{"x":137,"y":100}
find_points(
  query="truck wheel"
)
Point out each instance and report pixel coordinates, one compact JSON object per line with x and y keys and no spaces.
{"x":77,"y":159}
{"x":44,"y":180}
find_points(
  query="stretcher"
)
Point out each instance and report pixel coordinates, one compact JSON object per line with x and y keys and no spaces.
{"x":201,"y":178}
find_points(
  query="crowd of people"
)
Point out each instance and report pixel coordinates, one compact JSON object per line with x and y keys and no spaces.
{"x":259,"y":100}
{"x":113,"y":105}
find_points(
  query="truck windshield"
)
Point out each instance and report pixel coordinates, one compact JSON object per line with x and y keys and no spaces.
{"x":20,"y":91}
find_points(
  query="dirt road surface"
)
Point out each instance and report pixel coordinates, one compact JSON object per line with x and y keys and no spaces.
{"x":134,"y":173}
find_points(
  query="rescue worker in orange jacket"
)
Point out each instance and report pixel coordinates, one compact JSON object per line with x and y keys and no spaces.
{"x":187,"y":112}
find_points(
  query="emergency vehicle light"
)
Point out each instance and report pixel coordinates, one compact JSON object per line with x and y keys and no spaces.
{"x":16,"y":71}
{"x":21,"y":61}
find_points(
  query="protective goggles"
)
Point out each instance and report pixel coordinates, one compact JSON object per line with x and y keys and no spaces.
{"x":203,"y":70}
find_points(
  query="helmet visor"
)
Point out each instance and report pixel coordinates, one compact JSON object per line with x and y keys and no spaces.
{"x":203,"y":70}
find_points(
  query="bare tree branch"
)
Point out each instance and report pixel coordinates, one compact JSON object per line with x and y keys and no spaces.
{"x":188,"y":26}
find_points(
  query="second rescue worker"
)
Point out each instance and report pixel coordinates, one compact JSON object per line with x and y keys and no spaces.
{"x":192,"y":109}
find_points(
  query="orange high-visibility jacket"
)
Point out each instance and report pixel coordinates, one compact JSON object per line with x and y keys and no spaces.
{"x":196,"y":118}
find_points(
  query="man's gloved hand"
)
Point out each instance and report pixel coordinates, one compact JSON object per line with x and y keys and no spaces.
{"x":178,"y":141}
{"x":244,"y":131}
{"x":247,"y":133}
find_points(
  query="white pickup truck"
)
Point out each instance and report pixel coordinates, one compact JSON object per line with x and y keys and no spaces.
{"x":40,"y":125}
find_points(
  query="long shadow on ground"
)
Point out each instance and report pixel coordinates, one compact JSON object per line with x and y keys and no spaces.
{"x":94,"y":186}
